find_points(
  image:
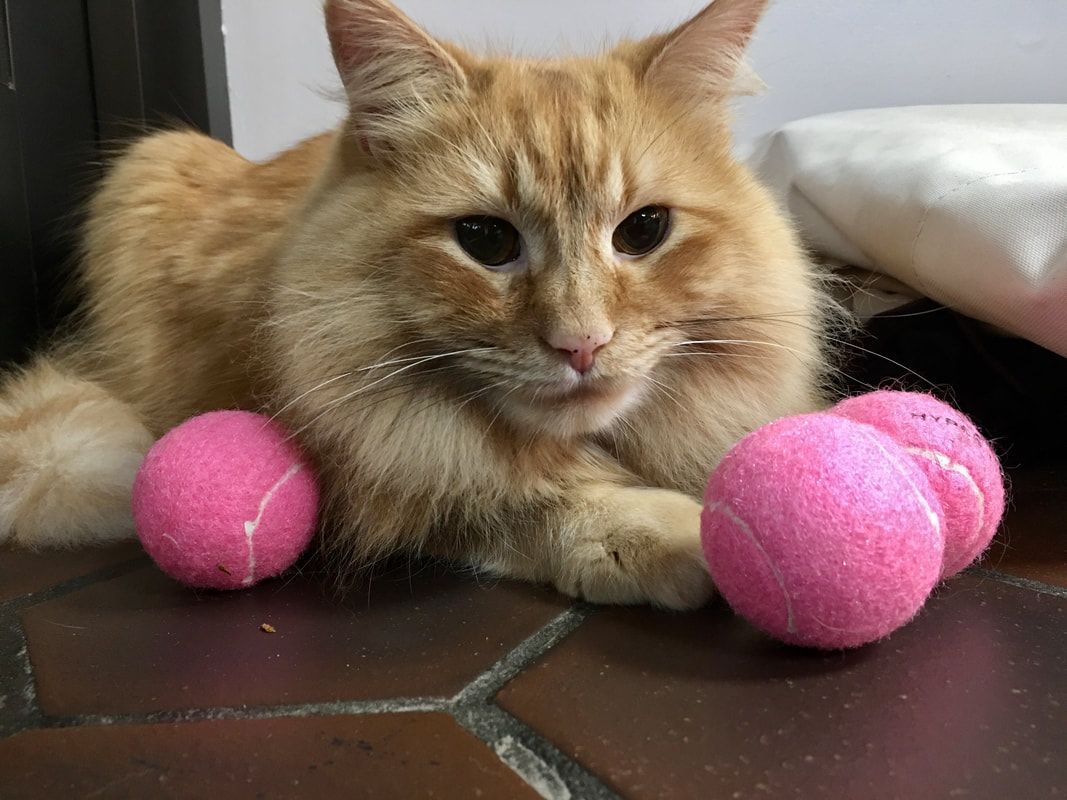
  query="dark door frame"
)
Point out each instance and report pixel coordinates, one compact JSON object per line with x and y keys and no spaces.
{"x":77,"y":78}
{"x":158,"y":64}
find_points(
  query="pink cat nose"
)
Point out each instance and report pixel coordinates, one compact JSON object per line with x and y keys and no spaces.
{"x":580,"y":349}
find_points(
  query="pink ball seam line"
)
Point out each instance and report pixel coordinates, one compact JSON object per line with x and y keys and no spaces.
{"x":744,"y":527}
{"x":252,"y":524}
{"x":931,"y":515}
{"x":943,"y":461}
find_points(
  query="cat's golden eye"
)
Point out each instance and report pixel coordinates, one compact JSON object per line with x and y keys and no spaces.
{"x":490,"y":241}
{"x":643,"y":231}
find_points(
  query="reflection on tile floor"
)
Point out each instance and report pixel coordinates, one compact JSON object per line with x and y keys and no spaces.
{"x":952,"y":705}
{"x":151,"y":645}
{"x":383,"y":755}
{"x":115,"y":682}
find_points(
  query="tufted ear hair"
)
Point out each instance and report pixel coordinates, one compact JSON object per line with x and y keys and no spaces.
{"x":392,"y":70}
{"x":704,"y":57}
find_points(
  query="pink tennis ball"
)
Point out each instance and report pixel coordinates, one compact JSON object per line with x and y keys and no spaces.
{"x":822,"y":532}
{"x":225,"y":500}
{"x":957,"y":460}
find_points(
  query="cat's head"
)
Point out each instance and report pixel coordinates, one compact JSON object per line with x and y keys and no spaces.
{"x":544,"y":233}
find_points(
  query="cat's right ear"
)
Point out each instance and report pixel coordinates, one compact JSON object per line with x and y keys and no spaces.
{"x":393,"y":71}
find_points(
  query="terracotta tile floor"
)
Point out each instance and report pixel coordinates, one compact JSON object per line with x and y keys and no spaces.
{"x":115,"y":682}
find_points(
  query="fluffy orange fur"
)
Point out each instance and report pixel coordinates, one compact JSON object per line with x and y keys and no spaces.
{"x":328,"y":287}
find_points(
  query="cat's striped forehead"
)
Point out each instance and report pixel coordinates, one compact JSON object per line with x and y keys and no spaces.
{"x":548,"y":141}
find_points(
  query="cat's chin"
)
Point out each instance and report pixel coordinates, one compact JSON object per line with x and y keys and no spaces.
{"x":586,"y":408}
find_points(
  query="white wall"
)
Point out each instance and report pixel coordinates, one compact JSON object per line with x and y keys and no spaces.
{"x":815,"y":55}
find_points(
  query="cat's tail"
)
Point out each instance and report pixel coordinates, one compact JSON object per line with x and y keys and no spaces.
{"x":69,"y":451}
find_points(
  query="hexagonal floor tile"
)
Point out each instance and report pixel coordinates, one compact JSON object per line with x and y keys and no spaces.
{"x":142,"y":643}
{"x":389,"y":755}
{"x":23,"y":572}
{"x":1032,"y":542}
{"x":969,"y":700}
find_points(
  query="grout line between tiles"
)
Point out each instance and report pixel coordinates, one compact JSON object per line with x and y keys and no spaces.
{"x":19,"y":709}
{"x":483,"y":687}
{"x":16,"y":604}
{"x":1019,"y":583}
{"x":550,"y":772}
{"x":408,"y":705}
{"x":18,"y":691}
{"x":538,"y":762}
{"x":479,"y":690}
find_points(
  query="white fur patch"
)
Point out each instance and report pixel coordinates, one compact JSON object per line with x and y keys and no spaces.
{"x":9,"y":494}
{"x":73,"y":471}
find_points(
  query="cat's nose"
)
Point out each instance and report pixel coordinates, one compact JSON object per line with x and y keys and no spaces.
{"x":580,"y":349}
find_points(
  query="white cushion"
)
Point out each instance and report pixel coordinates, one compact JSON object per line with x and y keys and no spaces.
{"x":964,"y":204}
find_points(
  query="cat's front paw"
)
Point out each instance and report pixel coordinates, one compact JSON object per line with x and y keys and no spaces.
{"x":645,"y":549}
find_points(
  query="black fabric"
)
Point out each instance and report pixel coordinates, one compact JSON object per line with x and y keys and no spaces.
{"x":1015,"y":390}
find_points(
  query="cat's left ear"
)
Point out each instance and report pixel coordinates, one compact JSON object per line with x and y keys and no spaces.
{"x":704,"y":57}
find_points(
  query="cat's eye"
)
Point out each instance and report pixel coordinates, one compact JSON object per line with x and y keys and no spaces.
{"x":489,"y":240}
{"x":643,"y":231}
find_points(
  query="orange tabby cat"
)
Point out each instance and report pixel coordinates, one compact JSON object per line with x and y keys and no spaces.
{"x":516,"y":310}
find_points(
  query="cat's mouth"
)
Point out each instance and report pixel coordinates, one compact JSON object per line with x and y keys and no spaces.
{"x":584,"y":391}
{"x":573,"y":407}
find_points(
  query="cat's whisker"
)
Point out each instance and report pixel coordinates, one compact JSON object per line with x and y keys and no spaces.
{"x":379,"y":365}
{"x":752,"y":357}
{"x":392,"y":390}
{"x":746,"y":317}
{"x":628,"y":428}
{"x":310,"y":391}
{"x":500,"y":409}
{"x":730,"y":341}
{"x":463,"y":400}
{"x":829,"y":337}
{"x":366,"y":387}
{"x":471,"y":396}
{"x":421,"y":359}
{"x":332,"y":404}
{"x":661,"y":388}
{"x":799,"y":355}
{"x":752,"y":342}
{"x":631,"y":427}
{"x":861,"y":349}
{"x":719,"y":354}
{"x":914,"y":313}
{"x":401,"y":346}
{"x":785,"y":318}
